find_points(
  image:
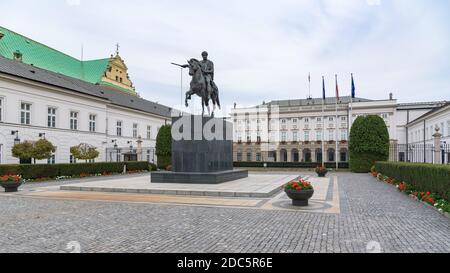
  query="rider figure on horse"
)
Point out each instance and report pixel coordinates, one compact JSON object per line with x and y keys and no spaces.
{"x":208,"y":72}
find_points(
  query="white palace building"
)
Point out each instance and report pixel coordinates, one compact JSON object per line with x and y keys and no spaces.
{"x":297,"y":130}
{"x":45,"y":93}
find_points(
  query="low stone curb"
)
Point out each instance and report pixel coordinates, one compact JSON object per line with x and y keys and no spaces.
{"x":174,"y":192}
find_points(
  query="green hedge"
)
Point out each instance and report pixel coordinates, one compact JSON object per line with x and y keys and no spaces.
{"x":292,"y":165}
{"x":423,"y":177}
{"x":55,"y":170}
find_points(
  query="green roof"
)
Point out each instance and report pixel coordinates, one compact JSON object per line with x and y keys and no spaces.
{"x":50,"y":59}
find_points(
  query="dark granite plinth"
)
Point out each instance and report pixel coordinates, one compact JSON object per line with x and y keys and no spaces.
{"x":206,"y":146}
{"x":202,"y":152}
{"x":198,"y":178}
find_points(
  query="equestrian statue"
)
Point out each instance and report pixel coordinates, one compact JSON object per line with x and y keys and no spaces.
{"x":202,"y":83}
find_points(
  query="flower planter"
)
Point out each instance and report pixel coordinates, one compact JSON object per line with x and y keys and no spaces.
{"x":11,"y":186}
{"x":300,"y":198}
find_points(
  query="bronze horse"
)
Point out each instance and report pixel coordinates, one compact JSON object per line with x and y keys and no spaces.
{"x":198,"y":87}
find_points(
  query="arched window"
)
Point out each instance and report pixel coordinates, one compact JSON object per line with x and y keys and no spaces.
{"x":319,"y":155}
{"x":331,"y":155}
{"x":295,"y":155}
{"x":239,"y":156}
{"x":307,"y":155}
{"x":249,"y":156}
{"x":283,"y":155}
{"x":344,"y":155}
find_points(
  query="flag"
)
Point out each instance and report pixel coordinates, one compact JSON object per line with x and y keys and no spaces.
{"x":323,"y":84}
{"x":337,"y":90}
{"x":353,"y":88}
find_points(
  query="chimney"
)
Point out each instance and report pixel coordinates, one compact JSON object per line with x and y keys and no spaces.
{"x":391,"y":96}
{"x":17,"y":56}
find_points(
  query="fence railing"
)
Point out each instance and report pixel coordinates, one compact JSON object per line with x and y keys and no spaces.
{"x":130,"y":154}
{"x":420,"y":153}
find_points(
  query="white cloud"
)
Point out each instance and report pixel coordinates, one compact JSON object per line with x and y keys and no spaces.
{"x":73,"y":2}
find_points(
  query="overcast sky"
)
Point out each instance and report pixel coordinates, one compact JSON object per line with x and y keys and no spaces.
{"x":262,"y":50}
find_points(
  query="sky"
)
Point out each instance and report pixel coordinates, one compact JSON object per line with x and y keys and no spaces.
{"x":262,"y":50}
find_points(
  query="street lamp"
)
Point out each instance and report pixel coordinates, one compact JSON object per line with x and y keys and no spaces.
{"x":42,"y":135}
{"x":17,"y":139}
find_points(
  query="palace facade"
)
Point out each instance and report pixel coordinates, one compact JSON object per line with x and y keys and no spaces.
{"x":298,"y":130}
{"x":45,"y":93}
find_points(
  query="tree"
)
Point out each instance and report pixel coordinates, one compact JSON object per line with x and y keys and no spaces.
{"x":164,"y":146}
{"x":23,"y":151}
{"x":84,"y":152}
{"x":41,"y":149}
{"x":369,"y":142}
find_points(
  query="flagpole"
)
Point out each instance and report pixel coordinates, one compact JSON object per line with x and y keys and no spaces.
{"x":309,"y":85}
{"x":337,"y":125}
{"x":323,"y":122}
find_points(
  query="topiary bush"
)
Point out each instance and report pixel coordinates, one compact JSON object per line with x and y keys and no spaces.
{"x":369,"y":142}
{"x":164,"y":147}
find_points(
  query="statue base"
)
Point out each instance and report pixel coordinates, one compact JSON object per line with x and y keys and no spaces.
{"x":204,"y":153}
{"x":198,"y":178}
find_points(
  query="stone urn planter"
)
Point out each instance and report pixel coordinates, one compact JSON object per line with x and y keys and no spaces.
{"x":300,"y":198}
{"x":321,"y":171}
{"x":300,"y":191}
{"x":11,"y":183}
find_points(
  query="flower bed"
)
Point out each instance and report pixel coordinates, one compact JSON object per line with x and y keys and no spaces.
{"x":429,"y":198}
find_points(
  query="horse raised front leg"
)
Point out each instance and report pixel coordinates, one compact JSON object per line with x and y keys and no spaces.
{"x":188,"y":97}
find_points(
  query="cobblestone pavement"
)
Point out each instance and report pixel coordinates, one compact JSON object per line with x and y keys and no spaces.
{"x":370,"y":211}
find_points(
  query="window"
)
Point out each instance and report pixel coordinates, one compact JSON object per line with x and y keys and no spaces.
{"x":330,"y":119}
{"x":92,"y":119}
{"x":119,"y":128}
{"x":25,"y":113}
{"x":249,"y":157}
{"x":149,"y":132}
{"x":343,"y":118}
{"x":306,"y":136}
{"x":319,"y":119}
{"x":343,"y":135}
{"x":283,"y":136}
{"x":1,"y":109}
{"x":306,"y":120}
{"x":295,"y":136}
{"x":294,"y":120}
{"x":448,"y":127}
{"x":239,"y":156}
{"x":319,"y":136}
{"x":72,"y":159}
{"x":283,"y":121}
{"x":135,"y":130}
{"x":51,"y":117}
{"x":73,"y":120}
{"x":258,"y":157}
{"x":51,"y":159}
{"x":330,"y":135}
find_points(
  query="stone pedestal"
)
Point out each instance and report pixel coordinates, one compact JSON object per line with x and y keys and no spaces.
{"x":202,"y":152}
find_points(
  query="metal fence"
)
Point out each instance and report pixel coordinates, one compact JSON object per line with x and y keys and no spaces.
{"x":420,"y":153}
{"x":130,"y":154}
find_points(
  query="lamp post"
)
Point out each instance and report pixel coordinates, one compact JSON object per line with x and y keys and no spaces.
{"x":42,"y":135}
{"x":16,"y":139}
